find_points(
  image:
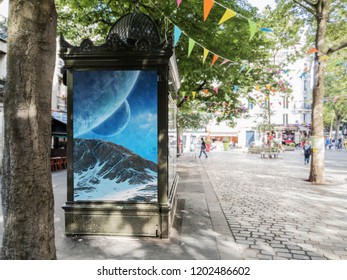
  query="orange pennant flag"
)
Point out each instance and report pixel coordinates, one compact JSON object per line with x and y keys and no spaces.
{"x":215,"y":58}
{"x":268,"y":86}
{"x":208,"y":4}
{"x":313,"y":50}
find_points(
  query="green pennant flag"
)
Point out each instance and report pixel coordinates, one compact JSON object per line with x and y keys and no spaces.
{"x":253,"y":28}
{"x":191,"y":45}
{"x":249,"y":70}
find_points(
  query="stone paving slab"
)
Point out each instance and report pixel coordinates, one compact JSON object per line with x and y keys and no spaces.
{"x":273,"y":211}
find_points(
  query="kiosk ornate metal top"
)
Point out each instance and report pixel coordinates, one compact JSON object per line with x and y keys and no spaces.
{"x":134,"y":32}
{"x":132,"y":27}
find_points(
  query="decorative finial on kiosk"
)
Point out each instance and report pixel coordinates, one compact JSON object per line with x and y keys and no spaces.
{"x":136,"y":3}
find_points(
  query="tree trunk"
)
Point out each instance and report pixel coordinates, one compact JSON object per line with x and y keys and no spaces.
{"x":337,"y":126}
{"x":317,"y":173}
{"x":27,"y":194}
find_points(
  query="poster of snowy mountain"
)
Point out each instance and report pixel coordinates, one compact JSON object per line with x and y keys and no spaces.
{"x":115,"y":132}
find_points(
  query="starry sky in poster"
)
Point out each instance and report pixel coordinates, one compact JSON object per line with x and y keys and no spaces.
{"x":119,"y":107}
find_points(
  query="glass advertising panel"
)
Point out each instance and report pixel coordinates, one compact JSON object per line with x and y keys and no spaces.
{"x":115,"y":135}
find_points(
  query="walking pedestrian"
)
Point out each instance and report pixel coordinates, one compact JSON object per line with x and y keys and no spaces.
{"x":203,"y":148}
{"x":307,"y":152}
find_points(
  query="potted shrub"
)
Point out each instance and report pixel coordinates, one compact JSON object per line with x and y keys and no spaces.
{"x":290,"y":147}
{"x":226,"y":142}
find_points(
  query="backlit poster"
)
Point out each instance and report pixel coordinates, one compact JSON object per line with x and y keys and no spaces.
{"x":115,"y":135}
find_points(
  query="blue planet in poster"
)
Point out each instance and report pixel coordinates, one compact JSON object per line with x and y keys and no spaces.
{"x":98,"y":95}
{"x":116,"y":122}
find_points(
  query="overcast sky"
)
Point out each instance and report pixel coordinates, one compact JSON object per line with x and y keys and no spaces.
{"x":261,"y":3}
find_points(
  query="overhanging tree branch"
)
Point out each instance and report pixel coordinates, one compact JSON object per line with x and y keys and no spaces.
{"x":337,"y":47}
{"x":311,"y":11}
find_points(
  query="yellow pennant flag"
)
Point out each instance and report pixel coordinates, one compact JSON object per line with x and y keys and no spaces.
{"x":206,"y":51}
{"x":194,"y":93}
{"x":215,"y":58}
{"x":208,"y":4}
{"x":227,"y":15}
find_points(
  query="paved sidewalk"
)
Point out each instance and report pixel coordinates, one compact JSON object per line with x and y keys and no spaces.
{"x":200,"y":230}
{"x":274,"y":213}
{"x":233,"y":206}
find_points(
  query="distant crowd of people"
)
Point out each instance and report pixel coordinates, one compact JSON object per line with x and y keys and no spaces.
{"x":333,"y":144}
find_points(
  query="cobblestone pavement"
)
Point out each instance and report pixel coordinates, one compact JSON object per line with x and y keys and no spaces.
{"x":274,"y":213}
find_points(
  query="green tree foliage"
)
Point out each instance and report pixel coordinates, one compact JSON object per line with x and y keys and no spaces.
{"x":335,"y":107}
{"x":231,"y":40}
{"x":192,"y":115}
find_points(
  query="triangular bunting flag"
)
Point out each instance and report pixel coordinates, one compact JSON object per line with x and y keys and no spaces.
{"x":179,"y":2}
{"x":215,"y":58}
{"x":268,"y":86}
{"x":242,"y":68}
{"x":236,"y":87}
{"x":227,"y":15}
{"x":253,"y":28}
{"x":216,"y":89}
{"x":194,"y":93}
{"x":225,"y":61}
{"x":313,"y":50}
{"x":208,"y":4}
{"x":177,"y":34}
{"x":191,"y":44}
{"x":265,"y":29}
{"x":249,"y":70}
{"x":206,"y":51}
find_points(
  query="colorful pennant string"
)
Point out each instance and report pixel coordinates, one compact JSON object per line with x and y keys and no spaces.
{"x":208,"y":4}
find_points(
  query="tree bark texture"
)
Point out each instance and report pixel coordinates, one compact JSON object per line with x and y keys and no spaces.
{"x":317,"y":172}
{"x":27,"y":194}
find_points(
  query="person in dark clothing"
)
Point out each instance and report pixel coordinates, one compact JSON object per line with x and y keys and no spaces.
{"x":307,"y":152}
{"x":203,"y":148}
